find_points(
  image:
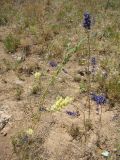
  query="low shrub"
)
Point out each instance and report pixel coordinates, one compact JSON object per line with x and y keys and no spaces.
{"x":11,"y":43}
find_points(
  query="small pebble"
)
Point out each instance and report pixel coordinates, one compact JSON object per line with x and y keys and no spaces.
{"x":77,"y":78}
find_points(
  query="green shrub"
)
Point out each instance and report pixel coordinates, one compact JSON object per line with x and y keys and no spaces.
{"x":110,"y":32}
{"x":11,"y":43}
{"x":3,"y":20}
{"x":27,"y":146}
{"x":18,"y":92}
{"x":83,"y":87}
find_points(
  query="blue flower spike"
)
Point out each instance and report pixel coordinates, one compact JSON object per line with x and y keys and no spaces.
{"x":99,"y":99}
{"x":93,"y":61}
{"x":87,"y":21}
{"x":93,"y":64}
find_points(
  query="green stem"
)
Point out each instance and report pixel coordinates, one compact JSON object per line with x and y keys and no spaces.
{"x":88,"y":69}
{"x":59,"y":69}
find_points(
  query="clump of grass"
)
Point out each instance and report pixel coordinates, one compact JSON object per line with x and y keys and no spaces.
{"x":88,"y":124}
{"x":83,"y":87}
{"x":113,"y":89}
{"x":11,"y":43}
{"x":109,"y":79}
{"x":27,"y":146}
{"x":6,"y":13}
{"x":18,"y":92}
{"x":111,"y":4}
{"x":21,"y":143}
{"x":35,"y":89}
{"x":3,"y":20}
{"x":37,"y":83}
{"x":7,"y":64}
{"x":118,"y":150}
{"x":28,"y":68}
{"x":110,"y":32}
{"x":26,"y":50}
{"x":75,"y":132}
{"x":56,"y":48}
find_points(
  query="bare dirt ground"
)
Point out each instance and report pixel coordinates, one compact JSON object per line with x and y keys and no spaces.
{"x":56,"y":127}
{"x":45,"y":29}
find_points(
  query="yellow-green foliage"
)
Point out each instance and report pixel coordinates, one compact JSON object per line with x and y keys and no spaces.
{"x":37,"y":76}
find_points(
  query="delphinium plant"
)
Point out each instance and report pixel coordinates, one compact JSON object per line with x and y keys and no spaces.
{"x":87,"y":26}
{"x":100,"y":100}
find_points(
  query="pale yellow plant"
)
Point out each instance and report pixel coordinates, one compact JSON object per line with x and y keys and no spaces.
{"x":29,"y":131}
{"x":61,"y":103}
{"x":37,"y":82}
{"x":37,"y":76}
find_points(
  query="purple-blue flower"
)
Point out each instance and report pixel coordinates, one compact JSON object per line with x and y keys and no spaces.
{"x":72,"y":113}
{"x":99,"y":99}
{"x":87,"y":21}
{"x":93,"y":61}
{"x":53,"y":64}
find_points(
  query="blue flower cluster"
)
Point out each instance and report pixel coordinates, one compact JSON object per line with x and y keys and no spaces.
{"x":72,"y":113}
{"x":87,"y":21}
{"x":93,"y":63}
{"x":99,"y":99}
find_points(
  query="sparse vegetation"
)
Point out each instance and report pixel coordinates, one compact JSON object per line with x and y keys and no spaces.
{"x":26,"y":146}
{"x":18,"y":92}
{"x":76,"y":133}
{"x":11,"y":43}
{"x":61,"y":78}
{"x":37,"y":83}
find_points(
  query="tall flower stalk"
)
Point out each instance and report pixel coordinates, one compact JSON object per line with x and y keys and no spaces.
{"x":87,"y":26}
